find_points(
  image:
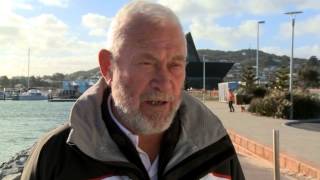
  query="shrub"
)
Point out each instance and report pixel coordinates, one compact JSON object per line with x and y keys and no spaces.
{"x":243,"y":98}
{"x":274,"y":105}
{"x":255,"y":105}
{"x":305,"y":106}
{"x":259,"y":92}
{"x":269,"y":107}
{"x":277,"y":104}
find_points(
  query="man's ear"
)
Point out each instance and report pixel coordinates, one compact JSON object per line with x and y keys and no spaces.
{"x":105,"y":64}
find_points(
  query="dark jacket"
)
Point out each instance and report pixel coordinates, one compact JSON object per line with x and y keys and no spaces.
{"x":91,"y":146}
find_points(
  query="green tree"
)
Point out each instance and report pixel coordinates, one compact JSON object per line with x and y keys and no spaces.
{"x":309,"y":74}
{"x":32,"y":81}
{"x":4,"y":81}
{"x":18,"y":80}
{"x":58,"y":77}
{"x":309,"y":77}
{"x":313,"y":61}
{"x":249,"y":79}
{"x":281,"y":79}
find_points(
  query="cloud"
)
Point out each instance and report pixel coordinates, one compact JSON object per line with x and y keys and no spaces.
{"x":310,"y":26}
{"x":203,"y":18}
{"x":43,"y":32}
{"x":97,"y":24}
{"x":217,"y":8}
{"x":262,"y":7}
{"x":57,"y":3}
{"x":54,"y":48}
{"x":308,"y":51}
{"x":22,"y":5}
{"x":306,"y":4}
{"x":275,"y":50}
{"x":42,"y":65}
{"x":224,"y":37}
{"x":8,"y":7}
{"x":75,"y":55}
{"x":200,"y":8}
{"x":267,"y":7}
{"x":300,"y":52}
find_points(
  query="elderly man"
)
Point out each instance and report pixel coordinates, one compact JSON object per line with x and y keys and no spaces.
{"x":136,"y":122}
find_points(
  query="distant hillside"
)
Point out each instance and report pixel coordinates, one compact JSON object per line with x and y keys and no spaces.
{"x":83,"y":74}
{"x":244,"y":57}
{"x":248,"y":57}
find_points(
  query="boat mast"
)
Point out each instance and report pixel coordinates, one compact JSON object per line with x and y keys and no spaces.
{"x":28,"y":67}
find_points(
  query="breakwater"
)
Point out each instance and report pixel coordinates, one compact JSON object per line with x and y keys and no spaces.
{"x":12,"y":169}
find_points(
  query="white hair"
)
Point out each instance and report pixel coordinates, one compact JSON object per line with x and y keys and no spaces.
{"x":152,"y":12}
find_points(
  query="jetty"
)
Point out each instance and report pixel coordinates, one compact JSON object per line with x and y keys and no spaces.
{"x":61,"y":100}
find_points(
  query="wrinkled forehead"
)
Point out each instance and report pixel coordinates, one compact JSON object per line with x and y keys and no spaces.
{"x":145,"y":33}
{"x":156,"y":42}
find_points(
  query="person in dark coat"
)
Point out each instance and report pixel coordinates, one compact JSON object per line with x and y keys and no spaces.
{"x":137,"y":122}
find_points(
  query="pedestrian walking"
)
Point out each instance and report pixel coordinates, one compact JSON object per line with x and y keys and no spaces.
{"x":231,"y":100}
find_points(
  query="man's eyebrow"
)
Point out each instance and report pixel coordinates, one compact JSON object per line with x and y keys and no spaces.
{"x":179,"y":58}
{"x":148,"y":56}
{"x":151,"y":57}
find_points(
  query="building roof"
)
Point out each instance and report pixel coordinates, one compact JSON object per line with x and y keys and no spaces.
{"x":192,"y":51}
{"x":195,"y":65}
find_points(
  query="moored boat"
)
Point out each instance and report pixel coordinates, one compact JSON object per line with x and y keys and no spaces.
{"x":31,"y":94}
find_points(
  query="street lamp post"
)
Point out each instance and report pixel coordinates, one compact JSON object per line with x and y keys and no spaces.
{"x":257,"y":57}
{"x":293,"y":15}
{"x":204,"y":76}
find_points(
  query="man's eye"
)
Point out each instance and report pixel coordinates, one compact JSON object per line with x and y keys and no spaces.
{"x":176,"y":65}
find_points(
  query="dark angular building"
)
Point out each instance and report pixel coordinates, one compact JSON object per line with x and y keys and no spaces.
{"x":215,"y":71}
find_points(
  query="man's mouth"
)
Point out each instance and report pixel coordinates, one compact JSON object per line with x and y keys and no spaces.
{"x":156,"y":103}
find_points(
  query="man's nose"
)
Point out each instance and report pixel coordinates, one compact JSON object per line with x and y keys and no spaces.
{"x":162,"y":80}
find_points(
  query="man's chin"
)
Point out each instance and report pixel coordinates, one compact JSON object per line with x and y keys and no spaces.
{"x":154,"y":125}
{"x":145,"y":122}
{"x":155,"y":129}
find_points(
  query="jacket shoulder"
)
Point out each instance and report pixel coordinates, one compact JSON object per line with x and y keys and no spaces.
{"x":45,"y":152}
{"x":197,"y":117}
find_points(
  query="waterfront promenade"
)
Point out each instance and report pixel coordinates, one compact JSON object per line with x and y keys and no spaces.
{"x":300,"y":148}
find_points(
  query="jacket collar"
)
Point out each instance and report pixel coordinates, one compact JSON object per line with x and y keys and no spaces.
{"x":88,"y":130}
{"x":199,"y":128}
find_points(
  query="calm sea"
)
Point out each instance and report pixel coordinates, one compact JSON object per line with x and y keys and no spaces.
{"x":23,"y":122}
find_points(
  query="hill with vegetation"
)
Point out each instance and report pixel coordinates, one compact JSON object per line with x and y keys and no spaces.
{"x":248,"y":57}
{"x":83,"y":74}
{"x":243,"y":57}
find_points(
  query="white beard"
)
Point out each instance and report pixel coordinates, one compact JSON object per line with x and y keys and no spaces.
{"x":132,"y":117}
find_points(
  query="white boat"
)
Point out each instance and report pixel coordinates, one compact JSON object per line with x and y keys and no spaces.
{"x":31,"y":94}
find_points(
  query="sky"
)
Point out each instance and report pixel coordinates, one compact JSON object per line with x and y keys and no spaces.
{"x":66,"y":35}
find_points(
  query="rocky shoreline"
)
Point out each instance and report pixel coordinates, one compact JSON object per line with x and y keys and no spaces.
{"x":12,"y":169}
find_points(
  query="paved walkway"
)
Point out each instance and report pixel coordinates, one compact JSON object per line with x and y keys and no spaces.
{"x":301,"y":144}
{"x":261,"y":170}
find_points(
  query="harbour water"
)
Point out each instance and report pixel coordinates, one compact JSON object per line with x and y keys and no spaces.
{"x":23,"y":122}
